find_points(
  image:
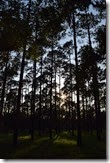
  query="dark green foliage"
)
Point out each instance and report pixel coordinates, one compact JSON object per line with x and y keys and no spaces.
{"x":14,"y":29}
{"x":101,"y":38}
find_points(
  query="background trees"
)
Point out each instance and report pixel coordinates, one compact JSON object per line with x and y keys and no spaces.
{"x":53,"y":67}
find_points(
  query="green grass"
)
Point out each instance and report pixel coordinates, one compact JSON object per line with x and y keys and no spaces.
{"x":62,"y":146}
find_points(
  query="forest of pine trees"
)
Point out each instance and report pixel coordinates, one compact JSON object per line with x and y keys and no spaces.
{"x":53,"y":68}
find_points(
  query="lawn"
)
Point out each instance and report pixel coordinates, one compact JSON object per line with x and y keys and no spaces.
{"x":62,"y":146}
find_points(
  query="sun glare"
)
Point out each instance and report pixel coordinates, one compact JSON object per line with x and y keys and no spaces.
{"x":63,"y":96}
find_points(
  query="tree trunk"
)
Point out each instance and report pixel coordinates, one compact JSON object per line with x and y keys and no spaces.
{"x":17,"y":111}
{"x":56,"y":125}
{"x":33,"y":100}
{"x":91,"y":117}
{"x":69,"y":127}
{"x":4,"y":85}
{"x":95,"y":88}
{"x":40,"y":102}
{"x":34,"y":87}
{"x":50,"y":122}
{"x":79,"y":138}
{"x":97,"y":105}
{"x":71,"y":99}
{"x":59,"y":128}
{"x":83,"y":112}
{"x":86,"y":127}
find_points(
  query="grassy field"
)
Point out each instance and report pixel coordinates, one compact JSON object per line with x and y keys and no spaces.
{"x":63,"y":146}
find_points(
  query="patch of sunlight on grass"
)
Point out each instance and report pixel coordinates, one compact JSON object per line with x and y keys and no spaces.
{"x":65,"y":141}
{"x":5,"y":137}
{"x":41,"y":140}
{"x":24,"y":137}
{"x":30,"y":149}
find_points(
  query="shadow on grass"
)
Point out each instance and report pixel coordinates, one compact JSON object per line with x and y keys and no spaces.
{"x":62,"y":146}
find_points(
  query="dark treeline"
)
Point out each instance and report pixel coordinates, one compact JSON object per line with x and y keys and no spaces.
{"x":52,"y":67}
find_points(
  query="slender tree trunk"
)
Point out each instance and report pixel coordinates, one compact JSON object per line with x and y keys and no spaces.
{"x":79,"y":137}
{"x":95,"y":89}
{"x":97,"y":105}
{"x":27,"y":109}
{"x":69,"y":127}
{"x":33,"y":100}
{"x":40,"y":102}
{"x":3,"y":88}
{"x":34,"y":87}
{"x":91,"y":117}
{"x":16,"y":115}
{"x":56,"y":125}
{"x":71,"y":98}
{"x":17,"y":111}
{"x":59,"y":128}
{"x":86,"y":127}
{"x":50,"y":122}
{"x":9,"y":100}
{"x":46,"y":106}
{"x":83,"y":112}
{"x":27,"y":106}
